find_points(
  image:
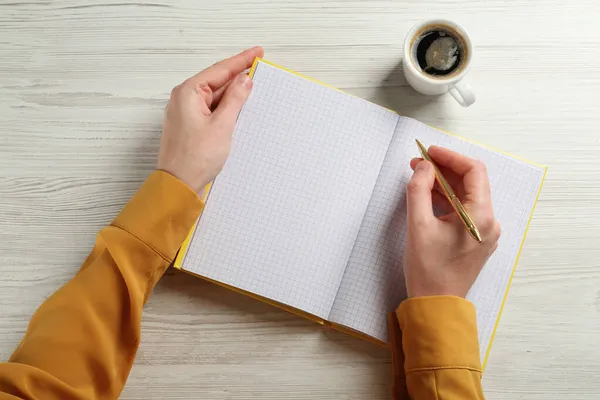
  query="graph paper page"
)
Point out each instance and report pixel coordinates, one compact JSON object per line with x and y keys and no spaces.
{"x":282,"y":217}
{"x":373,"y":283}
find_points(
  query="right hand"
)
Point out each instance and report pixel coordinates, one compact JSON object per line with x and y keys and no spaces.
{"x":441,"y":257}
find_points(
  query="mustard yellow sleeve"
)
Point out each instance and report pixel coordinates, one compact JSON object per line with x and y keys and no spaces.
{"x":440,"y":348}
{"x":81,"y":342}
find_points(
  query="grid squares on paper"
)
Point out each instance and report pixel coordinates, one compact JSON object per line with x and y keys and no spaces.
{"x":282,"y":217}
{"x":373,"y":283}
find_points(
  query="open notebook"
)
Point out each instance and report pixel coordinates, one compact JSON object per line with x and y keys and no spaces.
{"x":309,"y":209}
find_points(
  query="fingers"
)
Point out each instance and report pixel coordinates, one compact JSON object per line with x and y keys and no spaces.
{"x":455,"y":180}
{"x":232,"y":101}
{"x":218,"y":95}
{"x":438,"y":198}
{"x":414,"y":162}
{"x":222,"y":72}
{"x":441,"y":205}
{"x":475,"y":185}
{"x":418,"y":194}
{"x":475,"y":181}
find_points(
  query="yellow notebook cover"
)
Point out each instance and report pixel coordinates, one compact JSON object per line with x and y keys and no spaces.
{"x":179,"y":259}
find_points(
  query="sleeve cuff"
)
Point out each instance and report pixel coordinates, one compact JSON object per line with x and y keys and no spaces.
{"x":161,"y":213}
{"x":439,"y":332}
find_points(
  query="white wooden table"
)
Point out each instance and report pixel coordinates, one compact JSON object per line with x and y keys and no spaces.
{"x":82,"y":89}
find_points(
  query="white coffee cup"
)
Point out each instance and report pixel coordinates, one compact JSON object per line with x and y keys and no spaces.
{"x":452,"y":83}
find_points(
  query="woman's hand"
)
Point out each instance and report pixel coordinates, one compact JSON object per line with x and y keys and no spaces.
{"x":200,"y":118}
{"x":441,"y":257}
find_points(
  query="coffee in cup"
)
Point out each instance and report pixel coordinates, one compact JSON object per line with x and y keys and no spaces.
{"x":437,"y":54}
{"x":439,"y":51}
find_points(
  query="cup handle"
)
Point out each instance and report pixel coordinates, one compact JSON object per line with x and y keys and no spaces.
{"x":463,"y":93}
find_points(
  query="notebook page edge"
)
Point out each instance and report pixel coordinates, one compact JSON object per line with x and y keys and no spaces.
{"x":282,"y":306}
{"x":180,"y":258}
{"x":357,"y":334}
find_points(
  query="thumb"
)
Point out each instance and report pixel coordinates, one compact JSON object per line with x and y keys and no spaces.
{"x":233,"y":99}
{"x":418,"y":194}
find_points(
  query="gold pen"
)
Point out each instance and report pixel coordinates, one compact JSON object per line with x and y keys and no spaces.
{"x":456,"y":204}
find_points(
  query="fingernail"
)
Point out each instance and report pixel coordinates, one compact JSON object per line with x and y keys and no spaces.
{"x":422,"y":166}
{"x":245,"y":81}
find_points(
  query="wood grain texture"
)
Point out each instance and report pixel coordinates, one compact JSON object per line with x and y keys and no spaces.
{"x":83,"y":85}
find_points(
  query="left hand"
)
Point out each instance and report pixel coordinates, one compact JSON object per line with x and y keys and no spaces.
{"x":200,"y":118}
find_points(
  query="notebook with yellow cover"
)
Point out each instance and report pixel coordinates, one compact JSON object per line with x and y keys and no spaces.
{"x":308,"y":212}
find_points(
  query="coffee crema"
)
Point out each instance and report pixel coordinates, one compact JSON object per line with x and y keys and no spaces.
{"x":438,"y":51}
